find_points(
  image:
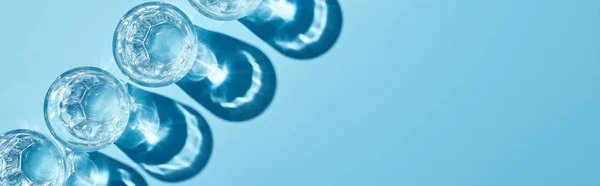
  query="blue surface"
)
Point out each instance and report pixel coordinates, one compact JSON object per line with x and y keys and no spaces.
{"x":420,"y":92}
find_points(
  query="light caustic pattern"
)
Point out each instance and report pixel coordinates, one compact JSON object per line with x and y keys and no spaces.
{"x":155,"y":44}
{"x":206,"y":64}
{"x":225,"y":10}
{"x":87,"y":108}
{"x":29,"y":158}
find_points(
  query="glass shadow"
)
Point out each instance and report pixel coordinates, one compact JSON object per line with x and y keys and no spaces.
{"x":97,"y":169}
{"x":115,"y":173}
{"x":170,"y":141}
{"x":244,"y":85}
{"x":301,"y":29}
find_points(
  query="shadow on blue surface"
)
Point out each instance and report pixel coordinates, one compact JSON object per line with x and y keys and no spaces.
{"x":170,"y":141}
{"x":247,"y":83}
{"x":301,"y":29}
{"x":116,"y":173}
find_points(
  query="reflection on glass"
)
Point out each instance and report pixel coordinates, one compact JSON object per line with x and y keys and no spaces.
{"x":155,"y":44}
{"x":87,"y":109}
{"x":29,"y":158}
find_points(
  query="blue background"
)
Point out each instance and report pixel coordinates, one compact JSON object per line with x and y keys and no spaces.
{"x":415,"y":92}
